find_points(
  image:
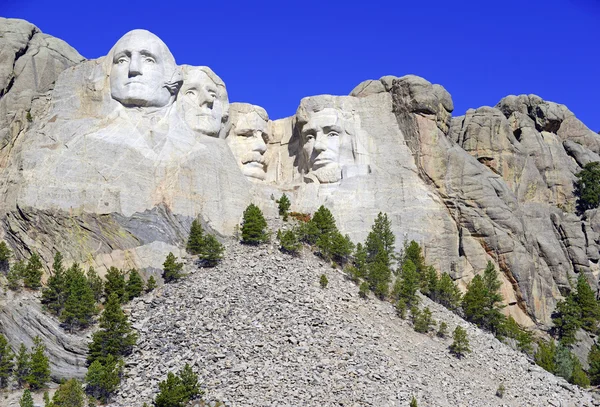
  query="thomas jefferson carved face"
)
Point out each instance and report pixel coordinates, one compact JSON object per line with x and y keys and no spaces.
{"x":247,"y":139}
{"x":143,"y":72}
{"x":203,"y":101}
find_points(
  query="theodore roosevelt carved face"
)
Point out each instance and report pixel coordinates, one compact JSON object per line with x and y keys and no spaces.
{"x":203,"y":101}
{"x":248,"y":139}
{"x":143,"y":71}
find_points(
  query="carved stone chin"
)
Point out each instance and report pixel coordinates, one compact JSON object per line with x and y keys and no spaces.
{"x":143,"y":71}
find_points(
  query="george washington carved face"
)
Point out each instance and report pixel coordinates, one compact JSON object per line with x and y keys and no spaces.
{"x":143,"y":71}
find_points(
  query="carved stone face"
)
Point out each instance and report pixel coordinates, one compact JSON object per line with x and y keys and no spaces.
{"x":321,"y":140}
{"x":247,"y":140}
{"x":201,"y":102}
{"x":142,"y":66}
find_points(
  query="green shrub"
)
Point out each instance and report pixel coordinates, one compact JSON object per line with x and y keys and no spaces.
{"x":172,"y":270}
{"x":460,"y":344}
{"x":284,"y":205}
{"x":587,"y":187}
{"x":323,"y":281}
{"x":363,"y":290}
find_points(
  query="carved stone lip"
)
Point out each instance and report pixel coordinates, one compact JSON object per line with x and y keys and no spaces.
{"x":256,"y":164}
{"x":323,"y":161}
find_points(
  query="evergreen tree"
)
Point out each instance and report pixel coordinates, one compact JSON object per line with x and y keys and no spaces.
{"x":563,"y":362}
{"x":172,"y":269}
{"x":115,"y":336}
{"x":523,"y":337}
{"x":54,"y":294}
{"x":460,"y":344}
{"x":150,"y":284}
{"x":95,"y":283}
{"x":289,"y":242}
{"x":586,"y":299}
{"x":171,"y":394}
{"x":594,"y":362}
{"x":381,"y":237}
{"x":413,"y":252}
{"x":22,"y":365}
{"x":80,"y":305}
{"x":578,"y":376}
{"x":360,"y":260}
{"x":323,"y":281}
{"x":379,"y":275}
{"x":442,"y":330}
{"x":115,"y":284}
{"x":46,"y":399}
{"x":567,"y":319}
{"x":212,"y":251}
{"x":69,"y":394}
{"x":15,"y":275}
{"x":135,"y":285}
{"x":33,"y":272}
{"x":189,"y":382}
{"x":196,"y":238}
{"x":284,"y":205}
{"x":544,"y":357}
{"x":39,"y":366}
{"x":324,"y":221}
{"x":407,"y":284}
{"x":254,"y":226}
{"x":422,"y":320}
{"x":429,"y":282}
{"x":26,"y":400}
{"x":103,"y":380}
{"x":363,"y":290}
{"x":587,"y":187}
{"x":6,"y":362}
{"x":482,"y":301}
{"x":341,"y":247}
{"x":447,"y":292}
{"x":413,"y":402}
{"x":5,"y":254}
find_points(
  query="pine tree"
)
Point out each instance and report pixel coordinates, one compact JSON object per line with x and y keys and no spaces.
{"x":254,"y":226}
{"x":578,"y":376}
{"x":460,"y":344}
{"x":6,"y":362}
{"x":5,"y":254}
{"x":341,"y":247}
{"x":379,"y":275}
{"x":447,"y":292}
{"x":594,"y":362}
{"x":80,"y":305}
{"x":323,"y":281}
{"x":39,"y":372}
{"x":95,"y":283}
{"x":360,"y":260}
{"x":69,"y":394}
{"x":407,"y":284}
{"x":381,"y":237}
{"x":172,"y":269}
{"x":442,"y":330}
{"x":324,"y":221}
{"x":563,"y":362}
{"x":423,"y":321}
{"x":196,"y":238}
{"x":22,"y":365}
{"x":26,"y":400}
{"x":171,"y":392}
{"x":103,"y":380}
{"x":586,"y":299}
{"x":15,"y":275}
{"x":482,"y":301}
{"x":135,"y":285}
{"x":189,"y":382}
{"x":115,"y":284}
{"x":284,"y":205}
{"x":46,"y":399}
{"x":33,"y":272}
{"x":567,"y":319}
{"x":115,"y":336}
{"x":289,"y":242}
{"x":212,"y":251}
{"x":54,"y":294}
{"x":587,"y":187}
{"x":150,"y":284}
{"x":429,"y":283}
{"x":413,"y":252}
{"x":544,"y":357}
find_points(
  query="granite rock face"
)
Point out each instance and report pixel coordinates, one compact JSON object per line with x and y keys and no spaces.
{"x":110,"y":160}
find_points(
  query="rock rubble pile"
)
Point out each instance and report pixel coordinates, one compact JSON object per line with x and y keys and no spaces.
{"x":260,"y":331}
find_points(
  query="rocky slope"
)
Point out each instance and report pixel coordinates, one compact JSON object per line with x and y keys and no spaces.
{"x":260,"y":331}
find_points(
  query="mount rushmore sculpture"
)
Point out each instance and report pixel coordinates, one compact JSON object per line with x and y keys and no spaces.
{"x":110,"y":160}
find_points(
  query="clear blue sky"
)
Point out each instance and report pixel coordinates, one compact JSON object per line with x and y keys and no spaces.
{"x":273,"y":53}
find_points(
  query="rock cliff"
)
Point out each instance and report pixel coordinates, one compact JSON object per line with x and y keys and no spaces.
{"x":110,"y":160}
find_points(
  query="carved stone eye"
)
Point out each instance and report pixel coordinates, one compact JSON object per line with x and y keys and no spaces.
{"x":190,"y":93}
{"x":122,"y":60}
{"x":149,"y":60}
{"x":333,"y":134}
